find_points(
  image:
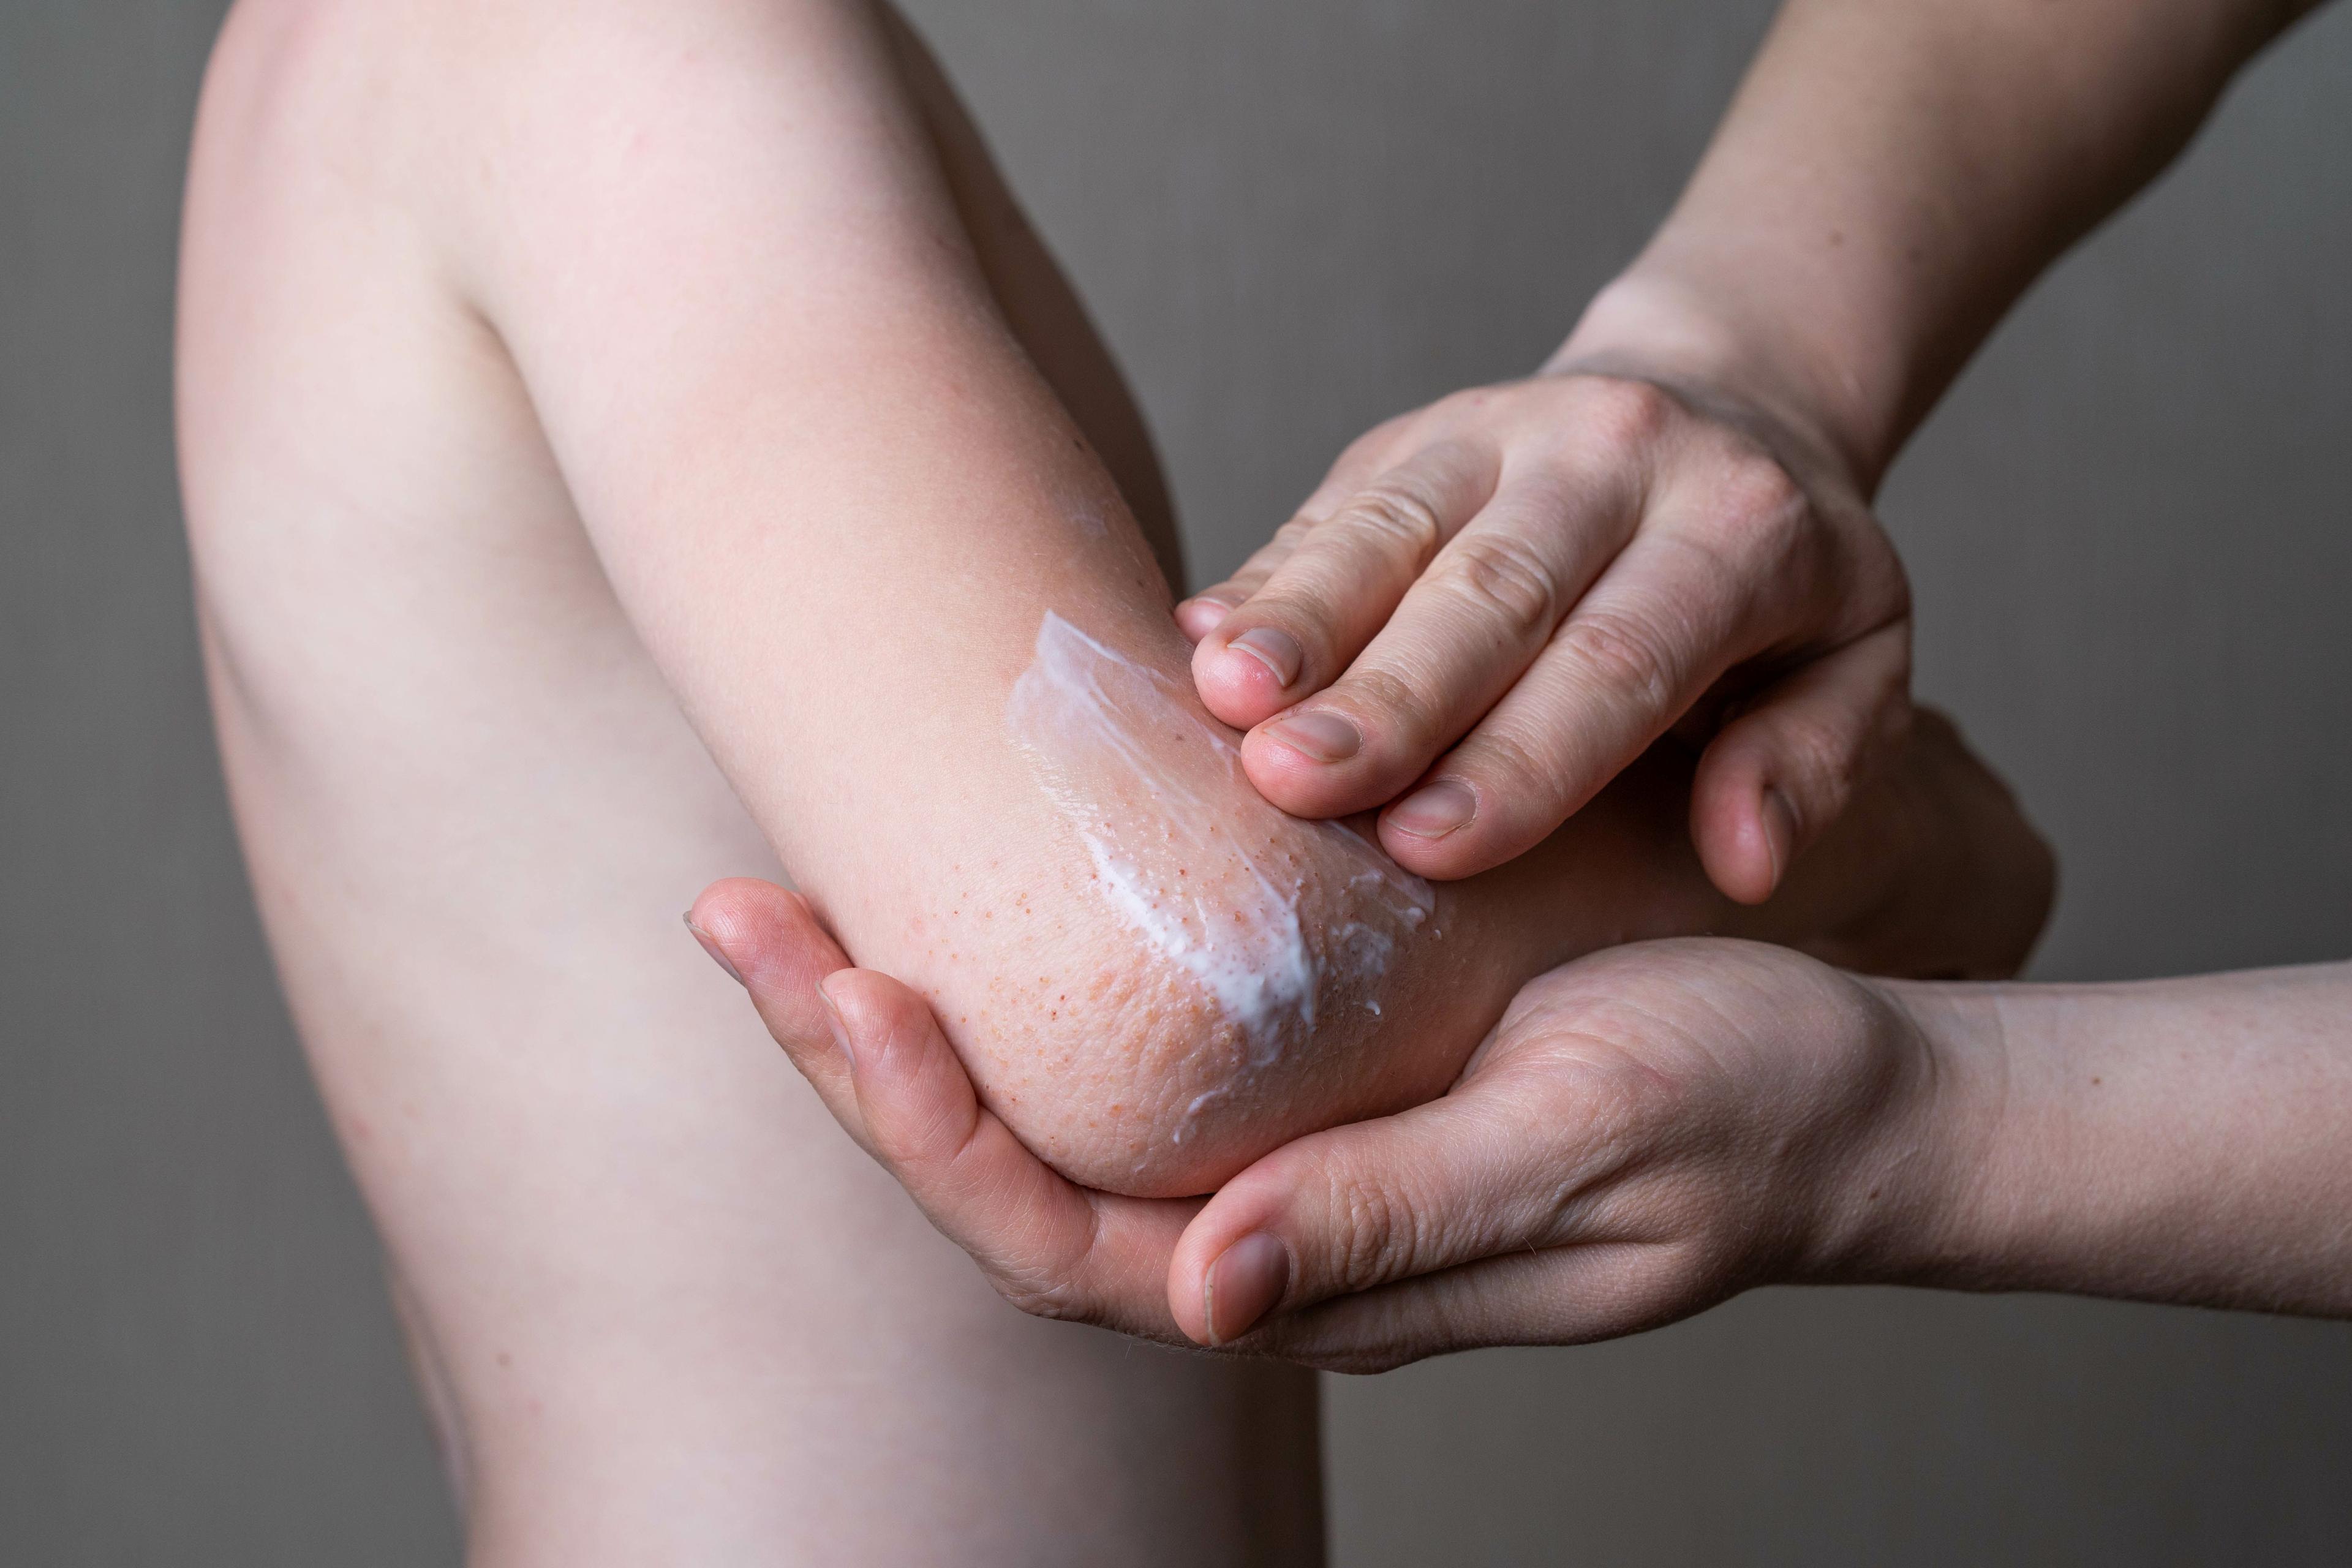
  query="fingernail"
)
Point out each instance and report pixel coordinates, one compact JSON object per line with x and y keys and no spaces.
{"x":1436,"y":811}
{"x":1275,"y":649}
{"x":712,"y":948}
{"x":1779,"y":830}
{"x":1243,"y":1284}
{"x":1320,"y":736}
{"x":1202,"y":612}
{"x":840,"y":1030}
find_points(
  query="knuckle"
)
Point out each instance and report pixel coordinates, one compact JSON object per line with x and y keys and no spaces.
{"x":1867,"y":576}
{"x":1376,"y":1230}
{"x":1367,"y":448}
{"x":1622,"y":651}
{"x":1763,"y":502}
{"x":1820,"y":754}
{"x":1634,"y":1097}
{"x":1512,"y":774}
{"x":1623,"y":411}
{"x":1403,"y":704}
{"x":1300,"y":604}
{"x":1287,"y":538}
{"x":1058,"y":1300}
{"x":1394,"y":517}
{"x":1610,"y":1096}
{"x":1502,"y":581}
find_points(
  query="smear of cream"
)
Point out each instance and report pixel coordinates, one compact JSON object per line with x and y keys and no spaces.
{"x":1265,"y":911}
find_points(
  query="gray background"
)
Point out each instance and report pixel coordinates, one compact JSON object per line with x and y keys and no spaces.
{"x":2129,"y":533}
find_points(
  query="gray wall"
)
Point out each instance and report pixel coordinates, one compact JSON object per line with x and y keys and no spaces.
{"x":2128,"y":532}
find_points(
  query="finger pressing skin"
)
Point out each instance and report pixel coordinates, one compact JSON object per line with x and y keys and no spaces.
{"x":1464,"y":1177}
{"x":1669,"y":616}
{"x":1204,"y":611}
{"x":1786,"y":768}
{"x":1053,"y":1248}
{"x":1469,"y":628}
{"x":1329,"y":595}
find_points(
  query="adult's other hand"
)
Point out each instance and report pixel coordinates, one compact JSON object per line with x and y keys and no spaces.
{"x":1493,"y":605}
{"x":1648,"y":1131}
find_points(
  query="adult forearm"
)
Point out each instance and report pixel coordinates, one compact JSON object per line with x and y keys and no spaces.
{"x":2184,"y":1140}
{"x":1891,"y":178}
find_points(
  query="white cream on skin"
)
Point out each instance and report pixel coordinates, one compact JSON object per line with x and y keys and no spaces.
{"x":1263,"y":910}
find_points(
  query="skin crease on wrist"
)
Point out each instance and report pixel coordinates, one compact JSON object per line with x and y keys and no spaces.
{"x":1843,"y":292}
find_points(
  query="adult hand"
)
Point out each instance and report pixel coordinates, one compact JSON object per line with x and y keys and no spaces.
{"x":1493,"y":605}
{"x":1648,"y":1131}
{"x":874,"y":1052}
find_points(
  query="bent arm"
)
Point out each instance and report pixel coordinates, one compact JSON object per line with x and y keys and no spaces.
{"x":913,"y":618}
{"x":1891,"y":178}
{"x":904,"y":604}
{"x":833,"y":491}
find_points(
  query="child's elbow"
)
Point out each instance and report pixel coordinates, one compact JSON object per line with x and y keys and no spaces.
{"x":1152,"y":1069}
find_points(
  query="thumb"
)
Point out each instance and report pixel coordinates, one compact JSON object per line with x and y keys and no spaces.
{"x":1043,"y":1242}
{"x":1788,"y":766}
{"x":770,"y":939}
{"x":1459,"y":1179}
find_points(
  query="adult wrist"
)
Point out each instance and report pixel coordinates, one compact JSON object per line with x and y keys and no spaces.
{"x":2168,"y":1141}
{"x":1913,"y":1203}
{"x":1698,"y":335}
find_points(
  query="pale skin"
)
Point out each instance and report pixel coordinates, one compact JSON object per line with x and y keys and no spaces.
{"x":1491,"y":603}
{"x":1652,"y":1128}
{"x":1649,"y":1132}
{"x":626,"y":446}
{"x":776,"y":539}
{"x":662,"y":1313}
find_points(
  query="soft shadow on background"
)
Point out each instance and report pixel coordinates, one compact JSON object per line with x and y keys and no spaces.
{"x":2131,"y":535}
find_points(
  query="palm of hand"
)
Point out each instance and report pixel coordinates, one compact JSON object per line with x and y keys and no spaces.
{"x":1648,"y":1131}
{"x":1687,"y":1118}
